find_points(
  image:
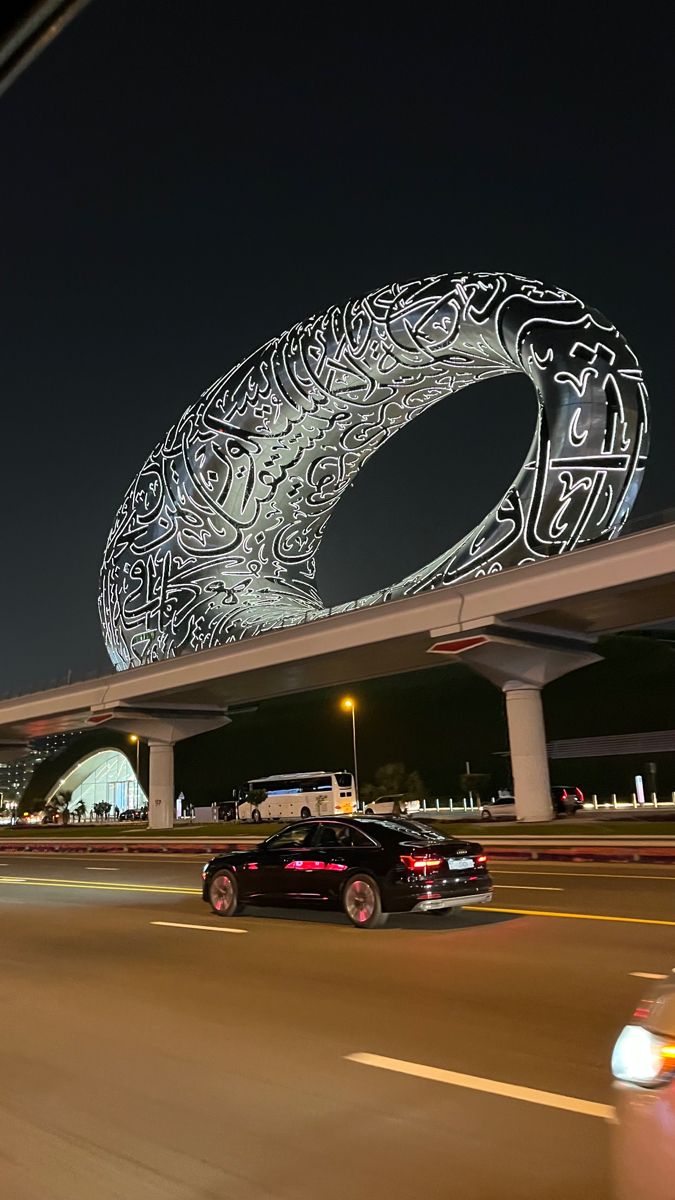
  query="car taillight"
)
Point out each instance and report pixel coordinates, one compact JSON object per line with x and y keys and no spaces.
{"x":480,"y":860}
{"x":421,"y":864}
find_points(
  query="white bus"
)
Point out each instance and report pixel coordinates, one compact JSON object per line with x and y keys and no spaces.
{"x":305,"y":794}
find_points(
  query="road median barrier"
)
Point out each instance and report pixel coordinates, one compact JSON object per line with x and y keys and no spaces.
{"x":569,"y":848}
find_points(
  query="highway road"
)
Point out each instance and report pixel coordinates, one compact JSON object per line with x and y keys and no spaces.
{"x":151,"y":1051}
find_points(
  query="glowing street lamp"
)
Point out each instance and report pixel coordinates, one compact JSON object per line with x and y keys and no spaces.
{"x":349,"y":705}
{"x":135,"y":738}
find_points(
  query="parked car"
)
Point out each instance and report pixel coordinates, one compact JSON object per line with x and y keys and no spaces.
{"x":395,"y":806}
{"x":134,"y":814}
{"x":567,"y":800}
{"x":643,"y":1065}
{"x":368,"y":866}
{"x":498,"y":808}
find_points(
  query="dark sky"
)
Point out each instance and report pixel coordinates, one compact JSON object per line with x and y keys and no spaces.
{"x":181,"y":182}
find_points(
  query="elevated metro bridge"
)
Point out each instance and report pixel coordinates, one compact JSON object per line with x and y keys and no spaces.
{"x":520,"y":628}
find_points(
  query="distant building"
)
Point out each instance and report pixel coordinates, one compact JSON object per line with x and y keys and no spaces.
{"x":15,"y":776}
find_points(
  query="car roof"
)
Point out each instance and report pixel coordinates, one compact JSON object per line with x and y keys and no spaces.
{"x":387,"y":824}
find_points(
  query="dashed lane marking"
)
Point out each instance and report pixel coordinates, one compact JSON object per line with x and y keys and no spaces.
{"x":646,"y":975}
{"x":495,"y":1087}
{"x":208,"y":928}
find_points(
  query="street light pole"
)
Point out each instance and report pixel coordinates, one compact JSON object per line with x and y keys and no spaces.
{"x":135,"y":738}
{"x":349,"y":705}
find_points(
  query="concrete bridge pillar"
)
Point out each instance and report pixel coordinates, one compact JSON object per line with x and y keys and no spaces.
{"x":161,"y":726}
{"x":521,"y":661}
{"x":527,"y":741}
{"x":161,"y":787}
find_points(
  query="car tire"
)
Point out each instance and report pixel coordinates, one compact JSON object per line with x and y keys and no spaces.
{"x":224,"y":894}
{"x":256,"y":817}
{"x":369,"y":812}
{"x":486,"y":815}
{"x":362,"y":903}
{"x":305,"y":814}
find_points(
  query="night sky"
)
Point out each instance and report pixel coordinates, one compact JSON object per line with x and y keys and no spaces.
{"x":181,"y":182}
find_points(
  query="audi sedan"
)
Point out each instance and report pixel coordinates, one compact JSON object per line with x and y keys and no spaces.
{"x":367,"y":866}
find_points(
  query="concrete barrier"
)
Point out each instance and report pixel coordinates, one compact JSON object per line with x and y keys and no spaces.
{"x":545,"y":849}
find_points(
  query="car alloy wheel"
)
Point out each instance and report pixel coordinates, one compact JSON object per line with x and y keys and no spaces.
{"x":362,"y":904}
{"x":223,"y":894}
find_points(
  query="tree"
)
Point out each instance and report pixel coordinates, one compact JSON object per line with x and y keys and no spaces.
{"x":58,"y":806}
{"x":414,"y":786}
{"x":390,"y":779}
{"x":475,"y":784}
{"x":393,"y":779}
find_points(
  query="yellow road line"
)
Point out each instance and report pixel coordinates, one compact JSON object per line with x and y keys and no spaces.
{"x":539,"y":912}
{"x":151,"y":889}
{"x":582,"y":874}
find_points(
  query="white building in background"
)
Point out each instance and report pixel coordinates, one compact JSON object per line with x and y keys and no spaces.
{"x":101,"y":777}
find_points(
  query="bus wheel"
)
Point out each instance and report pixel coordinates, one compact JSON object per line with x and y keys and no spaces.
{"x":255,"y":816}
{"x":305,"y":813}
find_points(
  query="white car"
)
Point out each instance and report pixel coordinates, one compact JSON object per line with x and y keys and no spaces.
{"x":643,"y":1064}
{"x":392,"y":806}
{"x":498,"y":808}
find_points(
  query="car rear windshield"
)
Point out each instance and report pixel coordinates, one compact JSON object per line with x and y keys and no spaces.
{"x":418,"y":828}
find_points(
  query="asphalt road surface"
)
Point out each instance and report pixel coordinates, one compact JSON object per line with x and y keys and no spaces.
{"x":151,"y":1051}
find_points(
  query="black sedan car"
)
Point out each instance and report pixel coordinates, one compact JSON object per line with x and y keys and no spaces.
{"x":134,"y":814}
{"x":368,"y":866}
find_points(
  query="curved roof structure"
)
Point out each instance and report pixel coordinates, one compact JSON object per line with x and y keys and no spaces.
{"x":103,"y":776}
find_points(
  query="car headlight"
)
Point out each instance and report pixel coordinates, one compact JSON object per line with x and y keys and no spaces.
{"x":204,"y":870}
{"x":643,"y":1057}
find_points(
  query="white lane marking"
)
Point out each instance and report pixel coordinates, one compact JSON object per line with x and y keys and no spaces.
{"x":527,"y":887}
{"x":647,"y":975}
{"x":495,"y":1087}
{"x":101,"y":868}
{"x":210,"y":928}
